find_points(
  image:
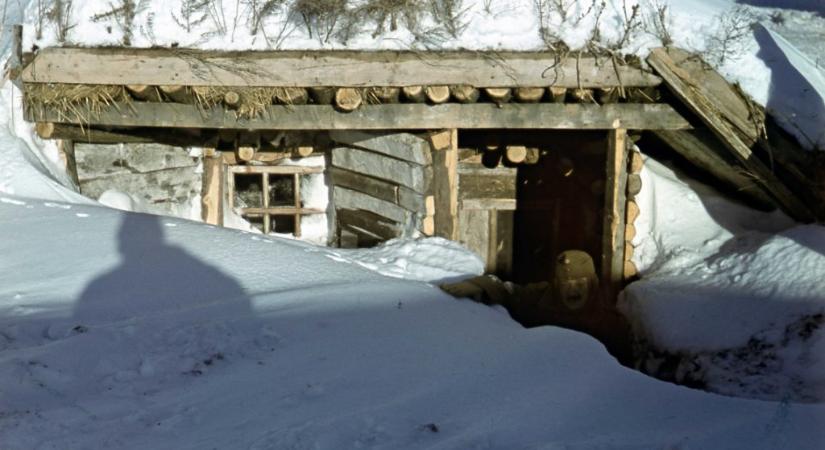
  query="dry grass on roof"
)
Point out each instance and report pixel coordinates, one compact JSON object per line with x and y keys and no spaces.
{"x":75,"y":101}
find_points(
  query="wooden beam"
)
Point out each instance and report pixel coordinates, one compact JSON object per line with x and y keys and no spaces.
{"x":379,"y":117}
{"x":326,"y":68}
{"x":212,"y":192}
{"x":66,"y":148}
{"x":686,"y":90}
{"x":613,"y":242}
{"x":445,"y":189}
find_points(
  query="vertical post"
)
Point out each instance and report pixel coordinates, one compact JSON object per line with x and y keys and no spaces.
{"x":265,"y":203}
{"x":16,"y":57}
{"x":212,"y":190}
{"x":66,"y":148}
{"x":297,"y":182}
{"x":445,"y":184}
{"x":612,"y":272}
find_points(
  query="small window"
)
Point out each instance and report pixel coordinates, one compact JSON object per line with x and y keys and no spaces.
{"x":269,"y":197}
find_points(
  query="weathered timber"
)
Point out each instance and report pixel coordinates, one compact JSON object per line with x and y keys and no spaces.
{"x":302,"y":151}
{"x":607,"y":95}
{"x":465,"y":93}
{"x":212,"y":192}
{"x":280,"y":211}
{"x":291,"y":96}
{"x":276,"y":170}
{"x":66,"y":149}
{"x":380,"y":117}
{"x":437,"y":94}
{"x":702,"y":149}
{"x":637,"y":162}
{"x":232,"y":99}
{"x":415,"y":202}
{"x":322,"y":95}
{"x":380,"y":189}
{"x":348,"y":99}
{"x":378,"y":95}
{"x":144,"y":92}
{"x":368,"y":221}
{"x":445,"y":189}
{"x":245,"y":154}
{"x":643,"y":95}
{"x":478,"y":186}
{"x":499,"y":95}
{"x":529,"y":94}
{"x":613,"y":242}
{"x":685,"y":88}
{"x":325,"y":68}
{"x":49,"y":130}
{"x":229,"y":158}
{"x":633,"y":212}
{"x":557,"y":94}
{"x":407,"y":174}
{"x":180,"y":94}
{"x":440,"y":140}
{"x":414,"y":94}
{"x":516,"y":154}
{"x":533,"y":156}
{"x":502,"y":204}
{"x":406,"y":146}
{"x":581,"y":96}
{"x":474,"y":231}
{"x":634,"y":184}
{"x":349,"y":199}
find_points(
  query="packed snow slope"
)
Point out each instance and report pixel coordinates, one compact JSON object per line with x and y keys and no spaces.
{"x":743,"y":39}
{"x":125,"y":330}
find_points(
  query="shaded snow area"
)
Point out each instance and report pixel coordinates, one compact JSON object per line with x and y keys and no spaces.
{"x":125,"y":330}
{"x":743,"y":39}
{"x":731,"y":299}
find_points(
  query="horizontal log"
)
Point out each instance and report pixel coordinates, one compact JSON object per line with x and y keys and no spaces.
{"x":276,"y":170}
{"x":380,"y":189}
{"x":278,"y":211}
{"x":378,"y":117}
{"x":49,"y":130}
{"x":399,"y":172}
{"x":326,"y":68}
{"x":371,"y":222}
{"x":406,"y":146}
{"x":349,"y":199}
{"x":489,"y":203}
{"x":474,"y":186}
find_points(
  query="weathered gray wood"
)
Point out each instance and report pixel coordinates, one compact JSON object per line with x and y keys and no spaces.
{"x":49,"y":130}
{"x":322,"y":95}
{"x":407,"y":174}
{"x":380,"y":189}
{"x":474,"y":231}
{"x":348,"y":199}
{"x":634,"y":184}
{"x":380,"y":117}
{"x":67,"y":149}
{"x":414,"y":201}
{"x":701,"y":149}
{"x":277,"y":170}
{"x":325,"y":68}
{"x":502,"y":204}
{"x":406,"y":146}
{"x":445,"y":189}
{"x":502,"y":247}
{"x":685,"y":89}
{"x":376,"y":95}
{"x":367,"y":221}
{"x":486,"y":186}
{"x":465,"y":93}
{"x":614,"y":214}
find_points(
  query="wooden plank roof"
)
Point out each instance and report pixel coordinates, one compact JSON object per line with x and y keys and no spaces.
{"x":176,"y":67}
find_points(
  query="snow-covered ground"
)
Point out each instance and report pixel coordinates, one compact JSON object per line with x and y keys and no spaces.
{"x":125,"y":330}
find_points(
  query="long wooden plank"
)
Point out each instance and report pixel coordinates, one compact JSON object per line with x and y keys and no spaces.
{"x":686,"y":90}
{"x":445,"y":189}
{"x":613,"y":242}
{"x":379,"y":117}
{"x":177,"y":67}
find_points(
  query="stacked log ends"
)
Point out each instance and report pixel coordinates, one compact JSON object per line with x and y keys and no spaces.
{"x":322,"y":95}
{"x":634,"y":185}
{"x":438,"y":94}
{"x":414,"y":94}
{"x":581,"y":95}
{"x":232,"y":99}
{"x":348,"y":99}
{"x":533,"y":156}
{"x":291,"y":96}
{"x":557,"y":94}
{"x":516,"y":154}
{"x":144,"y":92}
{"x":499,"y":95}
{"x":383,"y":95}
{"x":529,"y":95}
{"x":465,"y":94}
{"x":607,"y":95}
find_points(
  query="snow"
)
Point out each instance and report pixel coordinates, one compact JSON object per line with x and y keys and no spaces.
{"x":127,"y":330}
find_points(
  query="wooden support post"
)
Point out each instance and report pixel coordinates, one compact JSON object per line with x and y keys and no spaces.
{"x":66,"y":149}
{"x":212,"y":192}
{"x":297,"y":182}
{"x":445,"y":184}
{"x":613,"y":242}
{"x":267,"y":219}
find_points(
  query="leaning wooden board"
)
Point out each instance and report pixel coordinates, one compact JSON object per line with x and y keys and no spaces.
{"x":697,"y":98}
{"x":125,"y":66}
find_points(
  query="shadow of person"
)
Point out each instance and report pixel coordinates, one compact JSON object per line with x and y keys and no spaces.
{"x":156,"y":279}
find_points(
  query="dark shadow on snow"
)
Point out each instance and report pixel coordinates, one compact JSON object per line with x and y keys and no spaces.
{"x":155,"y":278}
